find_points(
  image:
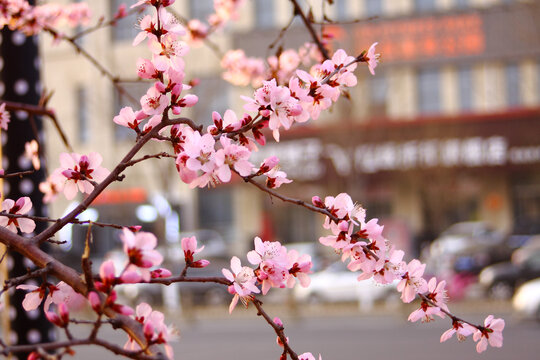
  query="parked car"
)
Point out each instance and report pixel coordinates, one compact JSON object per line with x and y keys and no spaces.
{"x":500,"y":280}
{"x":526,"y":301}
{"x":338,"y":284}
{"x":466,"y":247}
{"x":206,"y":293}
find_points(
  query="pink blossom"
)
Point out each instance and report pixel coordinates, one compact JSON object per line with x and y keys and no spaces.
{"x":276,"y":178}
{"x":34,"y":297}
{"x":121,"y":12}
{"x":267,"y":165}
{"x":168,"y":53}
{"x":299,"y":267}
{"x":189,"y":245}
{"x":242,"y":70}
{"x":95,"y":301}
{"x":345,"y":75}
{"x":36,"y":294}
{"x":65,"y":294}
{"x":228,"y":123}
{"x":372,"y":58}
{"x":392,"y":268}
{"x":31,"y":151}
{"x":343,"y":207}
{"x":197,"y":31}
{"x":200,"y":151}
{"x":341,"y":236}
{"x":78,"y":169}
{"x":52,"y":186}
{"x":154,"y":102}
{"x":243,"y":279}
{"x":308,"y":356}
{"x":139,"y":247}
{"x":491,"y":333}
{"x":462,"y":330}
{"x":272,"y":259}
{"x":154,"y":328}
{"x":4,"y":117}
{"x":129,"y":118}
{"x":412,"y":281}
{"x":21,"y":207}
{"x":320,"y":94}
{"x":232,"y":155}
{"x":160,"y":273}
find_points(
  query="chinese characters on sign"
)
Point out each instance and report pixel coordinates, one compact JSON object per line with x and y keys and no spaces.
{"x":304,"y":159}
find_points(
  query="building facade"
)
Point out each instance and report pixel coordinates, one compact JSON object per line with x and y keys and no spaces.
{"x":446,"y":131}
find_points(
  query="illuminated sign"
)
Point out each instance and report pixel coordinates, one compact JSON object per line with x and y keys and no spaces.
{"x":121,"y":196}
{"x":305,"y":159}
{"x":424,"y":38}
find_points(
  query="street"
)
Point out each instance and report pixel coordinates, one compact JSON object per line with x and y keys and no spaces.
{"x":337,"y":335}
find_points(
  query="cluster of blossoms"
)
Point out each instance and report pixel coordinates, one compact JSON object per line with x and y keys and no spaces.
{"x":19,"y":15}
{"x":208,"y":158}
{"x":362,"y":244}
{"x":154,"y":328}
{"x":76,"y":173}
{"x":142,"y":260}
{"x":276,"y":267}
{"x":242,"y":70}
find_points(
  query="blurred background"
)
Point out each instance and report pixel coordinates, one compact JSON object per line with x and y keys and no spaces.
{"x":442,"y":145}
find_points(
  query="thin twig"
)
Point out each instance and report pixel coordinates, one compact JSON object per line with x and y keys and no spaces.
{"x":19,"y":174}
{"x":311,"y":30}
{"x":115,"y":81}
{"x":40,"y":110}
{"x":146,"y":157}
{"x":277,"y":329}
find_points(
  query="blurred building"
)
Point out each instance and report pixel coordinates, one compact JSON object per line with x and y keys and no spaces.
{"x":446,"y":131}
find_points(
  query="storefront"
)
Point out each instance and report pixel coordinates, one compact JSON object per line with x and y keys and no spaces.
{"x":424,"y":175}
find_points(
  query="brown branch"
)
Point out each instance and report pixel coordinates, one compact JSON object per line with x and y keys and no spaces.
{"x":29,"y":248}
{"x":19,"y":174}
{"x":77,"y":342}
{"x":289,"y":199}
{"x":311,"y":30}
{"x":113,"y":176}
{"x":103,"y":24}
{"x":277,"y":329}
{"x":146,"y":157}
{"x":74,"y":222}
{"x":9,"y":283}
{"x":86,"y":264}
{"x":183,"y":278}
{"x":115,"y":81}
{"x":40,"y":110}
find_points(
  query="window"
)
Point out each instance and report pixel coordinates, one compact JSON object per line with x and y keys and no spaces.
{"x":125,"y":28}
{"x":341,"y":11}
{"x":201,"y":9}
{"x":424,"y":5}
{"x":136,"y":90}
{"x":82,"y":115}
{"x":290,"y":224}
{"x":378,"y":90}
{"x":513,"y":96}
{"x":461,"y":4}
{"x":429,"y":95}
{"x":373,"y":8}
{"x":264,"y":13}
{"x":465,"y":88}
{"x":213,"y":95}
{"x":215,"y":211}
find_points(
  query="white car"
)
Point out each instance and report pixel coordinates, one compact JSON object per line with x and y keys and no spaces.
{"x":338,"y":284}
{"x":526,"y":300}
